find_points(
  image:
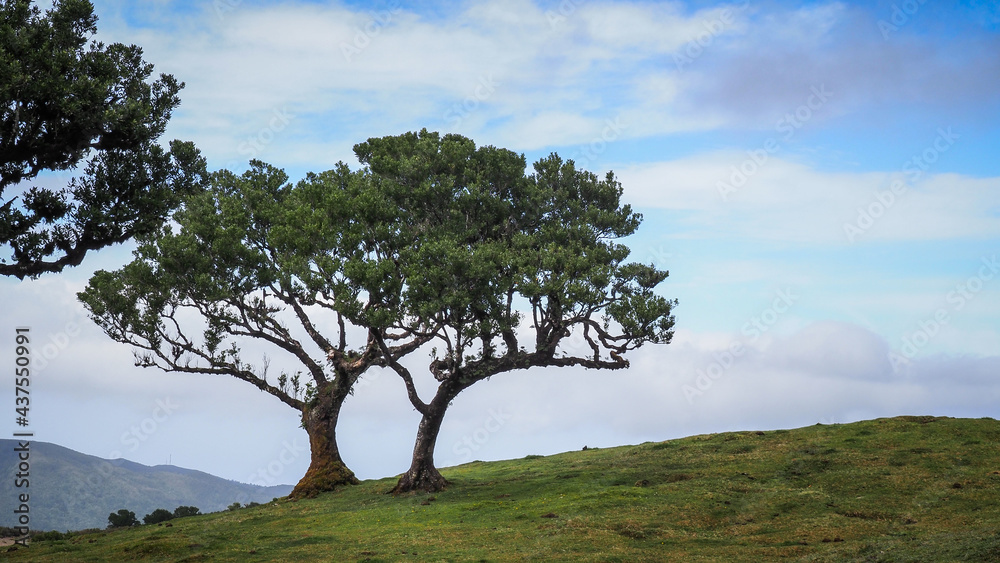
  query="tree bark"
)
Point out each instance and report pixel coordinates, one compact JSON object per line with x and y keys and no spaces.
{"x":327,"y":470}
{"x":422,"y":475}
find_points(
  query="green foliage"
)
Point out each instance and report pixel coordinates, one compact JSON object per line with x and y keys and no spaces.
{"x":433,"y":240}
{"x":157,"y":516}
{"x":66,"y":100}
{"x":234,"y":506}
{"x":473,"y":242}
{"x":231,"y":265}
{"x":700,"y":503}
{"x":124,"y":518}
{"x":183,"y":511}
{"x":433,"y":236}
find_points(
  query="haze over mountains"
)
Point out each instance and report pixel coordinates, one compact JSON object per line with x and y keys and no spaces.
{"x":69,"y":490}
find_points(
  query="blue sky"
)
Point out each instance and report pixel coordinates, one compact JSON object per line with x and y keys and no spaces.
{"x":820,"y":178}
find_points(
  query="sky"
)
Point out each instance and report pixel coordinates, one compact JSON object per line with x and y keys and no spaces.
{"x":820,"y":178}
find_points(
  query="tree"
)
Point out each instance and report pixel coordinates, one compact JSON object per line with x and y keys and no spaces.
{"x":432,"y":240}
{"x":474,"y":240}
{"x":157,"y":516}
{"x":184,"y":511}
{"x":257,"y":259}
{"x":65,"y":101}
{"x":122,"y":519}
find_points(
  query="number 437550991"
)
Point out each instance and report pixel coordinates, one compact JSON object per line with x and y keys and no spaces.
{"x":22,"y":374}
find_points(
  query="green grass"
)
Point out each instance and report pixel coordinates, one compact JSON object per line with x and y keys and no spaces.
{"x":900,"y":489}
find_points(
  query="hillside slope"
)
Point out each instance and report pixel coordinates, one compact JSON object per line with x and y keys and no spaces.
{"x":74,"y":491}
{"x":900,"y":489}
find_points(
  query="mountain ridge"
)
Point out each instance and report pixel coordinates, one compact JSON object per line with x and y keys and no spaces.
{"x":70,"y":490}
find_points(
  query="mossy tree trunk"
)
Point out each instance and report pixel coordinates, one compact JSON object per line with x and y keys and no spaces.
{"x":422,"y":475}
{"x":327,"y":470}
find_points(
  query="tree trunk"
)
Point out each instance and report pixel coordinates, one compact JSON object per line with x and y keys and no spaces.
{"x":422,"y":475}
{"x":326,"y":470}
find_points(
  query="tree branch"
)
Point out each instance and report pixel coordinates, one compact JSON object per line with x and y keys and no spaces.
{"x":393,"y":362}
{"x":217,"y":367}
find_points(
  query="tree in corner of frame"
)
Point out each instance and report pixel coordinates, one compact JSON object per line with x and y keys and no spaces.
{"x":433,"y":245}
{"x":66,"y":101}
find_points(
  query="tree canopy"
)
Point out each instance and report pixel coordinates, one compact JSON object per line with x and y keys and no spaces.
{"x":67,"y":101}
{"x":157,"y":516}
{"x":433,"y":242}
{"x":124,"y":518}
{"x":478,"y":247}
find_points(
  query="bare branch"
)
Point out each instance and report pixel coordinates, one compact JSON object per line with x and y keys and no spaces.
{"x":400,"y":369}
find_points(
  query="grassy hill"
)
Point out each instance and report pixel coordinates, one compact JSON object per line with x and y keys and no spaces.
{"x":73,"y":491}
{"x":900,"y":489}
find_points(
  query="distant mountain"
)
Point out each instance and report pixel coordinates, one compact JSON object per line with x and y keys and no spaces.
{"x":74,"y":491}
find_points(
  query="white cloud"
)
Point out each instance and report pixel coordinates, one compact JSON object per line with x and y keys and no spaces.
{"x":407,"y":70}
{"x":787,"y":200}
{"x":648,"y":29}
{"x":349,"y":73}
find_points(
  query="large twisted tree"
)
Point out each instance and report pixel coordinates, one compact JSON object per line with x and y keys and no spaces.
{"x":479,"y":247}
{"x":258,"y":260}
{"x":433,"y":242}
{"x":66,"y":100}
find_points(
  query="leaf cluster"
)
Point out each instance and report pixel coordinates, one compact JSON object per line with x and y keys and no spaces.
{"x":66,"y":100}
{"x":157,"y":516}
{"x":124,"y":518}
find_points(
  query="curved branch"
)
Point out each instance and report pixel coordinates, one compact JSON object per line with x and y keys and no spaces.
{"x":217,"y":367}
{"x":310,"y":329}
{"x":393,"y":362}
{"x":285,"y":341}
